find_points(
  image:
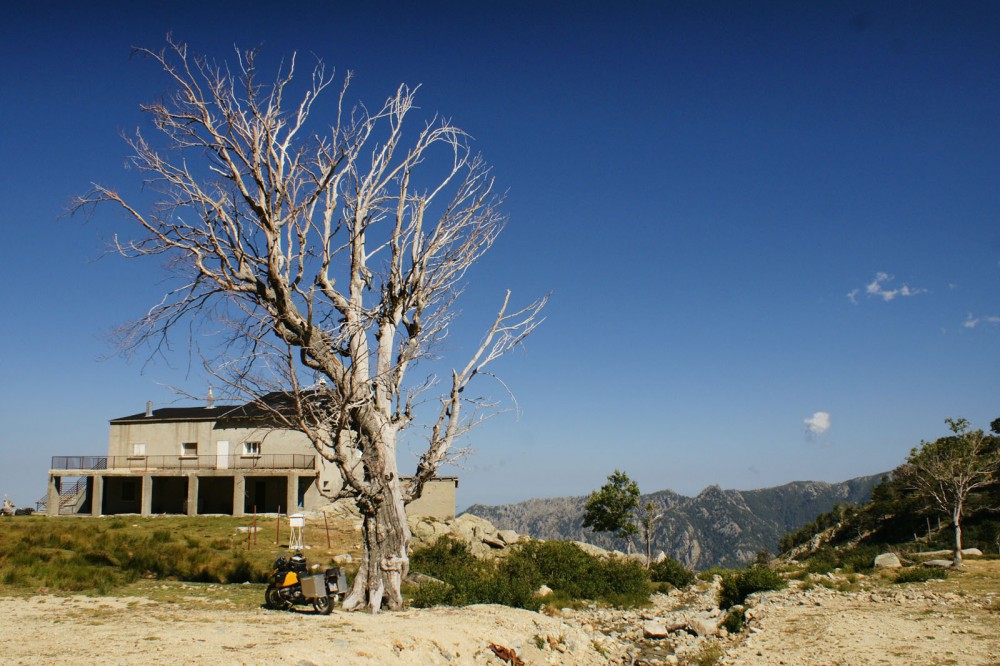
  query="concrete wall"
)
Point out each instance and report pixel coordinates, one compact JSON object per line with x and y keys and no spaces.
{"x":437,"y":500}
{"x":161,"y":439}
{"x":166,"y":438}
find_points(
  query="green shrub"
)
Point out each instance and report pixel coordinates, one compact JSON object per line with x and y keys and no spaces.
{"x":920,"y":575}
{"x":735,"y":620}
{"x":566,"y":568}
{"x":570,"y":571}
{"x":432,"y":594}
{"x":822,"y":561}
{"x":736,"y":586}
{"x":709,"y":574}
{"x":671,"y":571}
{"x":861,"y":559}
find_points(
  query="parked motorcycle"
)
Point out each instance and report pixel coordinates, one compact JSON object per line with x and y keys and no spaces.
{"x":292,"y":584}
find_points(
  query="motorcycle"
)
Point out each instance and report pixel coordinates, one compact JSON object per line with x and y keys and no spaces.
{"x":292,"y":585}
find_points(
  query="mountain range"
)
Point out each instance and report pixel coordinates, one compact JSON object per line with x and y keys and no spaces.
{"x":715,"y":528}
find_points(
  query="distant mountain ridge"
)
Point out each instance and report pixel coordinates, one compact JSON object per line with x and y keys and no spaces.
{"x":715,"y":528}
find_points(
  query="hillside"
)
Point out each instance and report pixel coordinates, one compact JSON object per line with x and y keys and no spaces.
{"x":716,"y":528}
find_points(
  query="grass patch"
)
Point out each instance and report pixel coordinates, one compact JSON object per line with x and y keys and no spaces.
{"x":100,"y":555}
{"x":920,"y":575}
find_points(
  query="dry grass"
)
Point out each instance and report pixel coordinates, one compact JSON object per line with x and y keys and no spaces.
{"x":101,"y":555}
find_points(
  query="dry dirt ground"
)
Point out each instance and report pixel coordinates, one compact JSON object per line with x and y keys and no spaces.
{"x":120,"y":630}
{"x":913,"y":626}
{"x":950,"y":622}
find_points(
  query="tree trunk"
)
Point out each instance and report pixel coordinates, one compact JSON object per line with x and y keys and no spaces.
{"x":957,"y":517}
{"x":384,"y":561}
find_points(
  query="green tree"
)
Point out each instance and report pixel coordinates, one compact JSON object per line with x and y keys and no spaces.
{"x":944,"y":472}
{"x":612,"y":508}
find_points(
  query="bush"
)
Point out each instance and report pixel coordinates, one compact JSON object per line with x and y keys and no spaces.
{"x":565,"y":567}
{"x":735,"y":620}
{"x":920,"y":575}
{"x":570,"y":571}
{"x":736,"y":586}
{"x":671,"y":571}
{"x":822,"y":561}
{"x":861,"y":559}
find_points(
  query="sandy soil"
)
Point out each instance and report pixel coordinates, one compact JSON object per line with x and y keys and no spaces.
{"x":115,"y":630}
{"x":953,"y":622}
{"x":896,"y":630}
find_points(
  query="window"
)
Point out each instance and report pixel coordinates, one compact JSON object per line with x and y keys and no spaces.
{"x":251,"y":448}
{"x":138,"y":449}
{"x":189,"y":449}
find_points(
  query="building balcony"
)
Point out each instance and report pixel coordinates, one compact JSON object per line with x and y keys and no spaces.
{"x":273,"y":461}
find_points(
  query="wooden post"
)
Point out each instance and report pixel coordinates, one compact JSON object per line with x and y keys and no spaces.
{"x":255,"y":524}
{"x":277,"y":529}
{"x":327,"y":524}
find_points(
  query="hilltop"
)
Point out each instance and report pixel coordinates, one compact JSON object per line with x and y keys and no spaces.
{"x":715,"y":528}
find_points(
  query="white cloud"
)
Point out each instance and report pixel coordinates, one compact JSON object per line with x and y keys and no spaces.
{"x":878,"y":288}
{"x":818,"y":423}
{"x":972,"y":322}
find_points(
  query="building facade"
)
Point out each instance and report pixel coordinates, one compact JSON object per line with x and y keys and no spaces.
{"x":207,"y":460}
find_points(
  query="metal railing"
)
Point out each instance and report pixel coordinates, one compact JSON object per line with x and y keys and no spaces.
{"x":147,"y":463}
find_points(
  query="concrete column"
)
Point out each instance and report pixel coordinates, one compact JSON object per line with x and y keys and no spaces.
{"x":52,"y":503}
{"x":146,"y":508}
{"x":239,"y":494}
{"x":292,"y":501}
{"x":192,"y":501}
{"x":97,"y":495}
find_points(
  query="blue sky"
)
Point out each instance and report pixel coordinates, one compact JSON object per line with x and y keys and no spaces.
{"x":769,"y":229}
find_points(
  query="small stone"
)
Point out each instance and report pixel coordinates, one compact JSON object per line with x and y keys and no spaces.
{"x":654,"y":629}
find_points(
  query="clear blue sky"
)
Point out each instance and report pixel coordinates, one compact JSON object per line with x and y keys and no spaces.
{"x":711,"y":191}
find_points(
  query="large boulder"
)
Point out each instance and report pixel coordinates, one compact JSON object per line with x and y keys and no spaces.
{"x":887,"y":561}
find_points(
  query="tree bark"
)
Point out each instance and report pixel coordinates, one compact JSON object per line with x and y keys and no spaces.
{"x":384,"y":562}
{"x":957,"y":517}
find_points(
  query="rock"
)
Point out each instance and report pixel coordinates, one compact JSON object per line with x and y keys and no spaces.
{"x":660,"y":556}
{"x":472,"y":527}
{"x":704,"y":626}
{"x":510,"y":537}
{"x":654,"y":629}
{"x":591,"y":549}
{"x":973,"y":552}
{"x":422,"y":579}
{"x":887,"y":561}
{"x":345,"y":558}
{"x":543,"y":591}
{"x":494,"y":542}
{"x":939,"y":563}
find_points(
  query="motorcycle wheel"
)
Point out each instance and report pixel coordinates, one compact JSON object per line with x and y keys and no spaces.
{"x":323,"y":605}
{"x":273,"y":598}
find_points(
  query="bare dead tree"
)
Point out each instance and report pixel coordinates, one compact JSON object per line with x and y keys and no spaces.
{"x":648,"y":516}
{"x":336,"y":255}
